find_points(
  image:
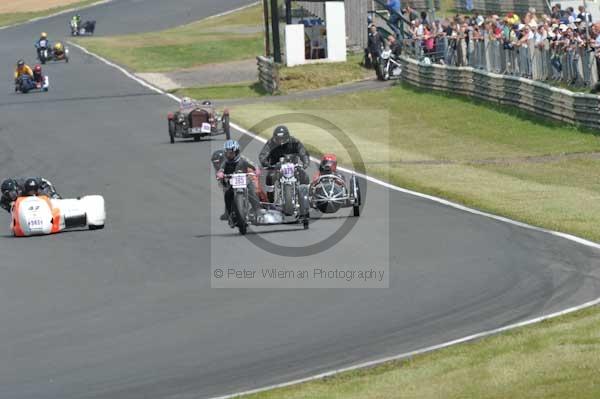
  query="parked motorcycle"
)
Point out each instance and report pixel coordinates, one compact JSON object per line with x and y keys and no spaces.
{"x":388,"y":67}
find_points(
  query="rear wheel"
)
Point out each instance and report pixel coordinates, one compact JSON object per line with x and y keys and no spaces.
{"x":357,"y":196}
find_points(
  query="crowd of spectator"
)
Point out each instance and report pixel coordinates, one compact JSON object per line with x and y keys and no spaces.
{"x":562,"y":38}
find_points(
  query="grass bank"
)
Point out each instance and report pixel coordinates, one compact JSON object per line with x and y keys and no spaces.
{"x":488,"y":157}
{"x":554,"y":359}
{"x":233,"y":37}
{"x":12,"y":18}
{"x":316,"y":76}
{"x":303,"y":77}
{"x":243,"y":90}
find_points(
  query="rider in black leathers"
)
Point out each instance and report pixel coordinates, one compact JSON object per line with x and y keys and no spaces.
{"x":14,"y":187}
{"x":280,"y":145}
{"x":236,"y":163}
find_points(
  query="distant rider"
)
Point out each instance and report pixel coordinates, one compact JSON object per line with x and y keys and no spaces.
{"x":10,"y":192}
{"x":58,"y":49}
{"x":22,"y":69}
{"x":15,"y":187}
{"x":236,"y":163}
{"x":42,"y":43}
{"x":75,"y":23}
{"x":38,"y":76}
{"x":278,"y":146}
{"x":187,"y":104}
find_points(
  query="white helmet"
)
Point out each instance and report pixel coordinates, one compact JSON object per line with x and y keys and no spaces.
{"x":186,"y":101}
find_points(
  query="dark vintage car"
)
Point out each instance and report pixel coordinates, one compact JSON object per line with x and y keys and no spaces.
{"x":194,"y":120}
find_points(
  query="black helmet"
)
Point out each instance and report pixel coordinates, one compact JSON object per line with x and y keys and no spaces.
{"x":217,"y":158}
{"x":21,"y":63}
{"x":281,"y":135}
{"x":31,"y":186}
{"x":10,"y":188}
{"x":206,"y":102}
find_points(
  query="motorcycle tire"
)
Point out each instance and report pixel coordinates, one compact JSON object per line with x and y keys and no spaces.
{"x":379,"y":70}
{"x":241,"y":211}
{"x":355,"y":187}
{"x":288,"y":200}
{"x":172,"y":131}
{"x":227,"y":127}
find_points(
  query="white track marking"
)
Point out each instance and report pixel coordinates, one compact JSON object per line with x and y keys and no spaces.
{"x":57,"y":13}
{"x":442,"y":201}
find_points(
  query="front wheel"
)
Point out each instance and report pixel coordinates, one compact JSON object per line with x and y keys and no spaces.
{"x":197,"y":137}
{"x":380,"y":70}
{"x":96,"y":227}
{"x":227,"y":127}
{"x":240,"y":206}
{"x":288,"y":200}
{"x":172,"y":131}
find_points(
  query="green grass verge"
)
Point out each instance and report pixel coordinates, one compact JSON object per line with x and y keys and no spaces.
{"x":467,"y":151}
{"x":315,"y":76}
{"x":18,"y":17}
{"x":233,"y":37}
{"x":243,"y":90}
{"x":303,"y":77}
{"x":553,"y":359}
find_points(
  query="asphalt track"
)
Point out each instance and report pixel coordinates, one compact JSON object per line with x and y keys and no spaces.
{"x":128,"y":312}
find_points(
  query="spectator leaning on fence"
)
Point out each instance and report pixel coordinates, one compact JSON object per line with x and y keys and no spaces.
{"x":394,"y":8}
{"x":561,"y":45}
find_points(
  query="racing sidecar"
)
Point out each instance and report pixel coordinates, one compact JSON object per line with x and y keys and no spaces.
{"x":25,"y":84}
{"x":86,"y":28}
{"x":40,"y":215}
{"x":330,"y":192}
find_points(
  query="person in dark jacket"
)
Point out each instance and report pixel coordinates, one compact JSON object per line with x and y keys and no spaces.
{"x":375,"y":44}
{"x":234,"y":162}
{"x":12,"y":188}
{"x":281,"y":145}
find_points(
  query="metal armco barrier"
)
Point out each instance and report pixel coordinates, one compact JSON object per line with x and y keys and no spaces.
{"x":573,"y":65}
{"x":268,"y":74}
{"x":535,"y":97}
